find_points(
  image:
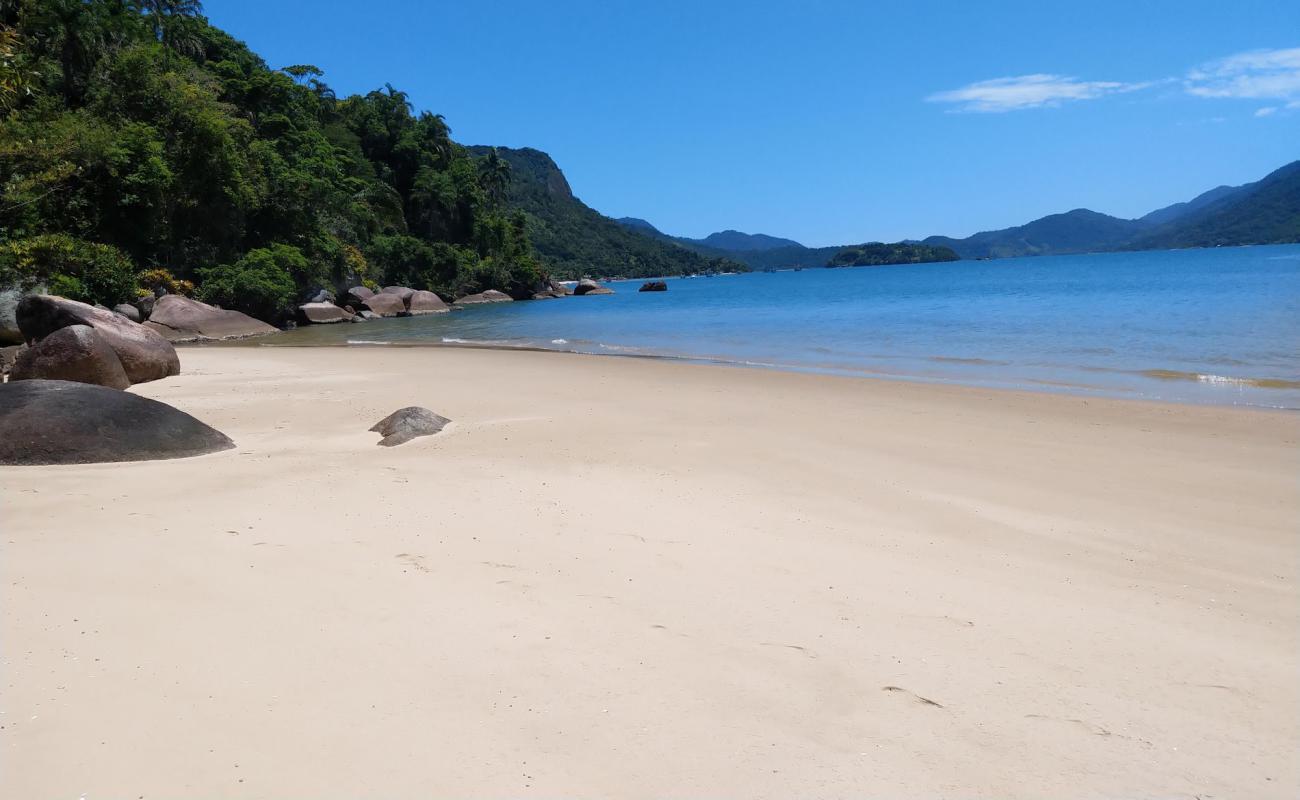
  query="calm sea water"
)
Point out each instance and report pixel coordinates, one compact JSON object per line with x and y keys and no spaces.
{"x":1216,"y":326}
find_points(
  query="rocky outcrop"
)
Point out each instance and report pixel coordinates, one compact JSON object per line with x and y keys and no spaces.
{"x":653,"y":286}
{"x":422,"y":302}
{"x":145,"y":305}
{"x":75,"y":353}
{"x":317,"y":295}
{"x":385,"y":305}
{"x":61,"y":422}
{"x":183,"y":319}
{"x":127,"y":310}
{"x":587,"y":286}
{"x":145,"y":355}
{"x":405,"y":424}
{"x":322,"y":313}
{"x":490,"y":296}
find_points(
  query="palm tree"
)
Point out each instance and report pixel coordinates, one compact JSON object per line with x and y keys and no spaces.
{"x":494,"y":176}
{"x":165,"y":15}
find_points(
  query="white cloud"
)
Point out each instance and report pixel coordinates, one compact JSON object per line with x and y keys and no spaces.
{"x":1028,"y":91}
{"x":1266,"y":111}
{"x":1255,"y":75}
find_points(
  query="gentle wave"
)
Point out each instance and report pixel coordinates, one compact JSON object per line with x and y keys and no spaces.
{"x":1219,"y":380}
{"x":367,"y":341}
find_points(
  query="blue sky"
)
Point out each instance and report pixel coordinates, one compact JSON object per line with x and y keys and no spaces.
{"x":832,"y":122}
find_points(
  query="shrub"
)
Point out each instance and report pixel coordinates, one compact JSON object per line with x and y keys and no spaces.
{"x":152,"y":280}
{"x":261,"y":284}
{"x":68,"y":266}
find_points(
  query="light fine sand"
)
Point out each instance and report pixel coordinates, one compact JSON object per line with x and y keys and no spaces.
{"x":630,"y":578}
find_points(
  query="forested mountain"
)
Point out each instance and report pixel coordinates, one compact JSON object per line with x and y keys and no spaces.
{"x":1076,"y":231}
{"x":875,"y":254}
{"x":574,"y":240}
{"x":1264,"y":212}
{"x":744,"y":242}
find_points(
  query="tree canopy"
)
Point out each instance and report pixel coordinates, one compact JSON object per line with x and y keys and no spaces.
{"x":136,"y":136}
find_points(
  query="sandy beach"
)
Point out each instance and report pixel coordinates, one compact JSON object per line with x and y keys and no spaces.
{"x":637,"y":578}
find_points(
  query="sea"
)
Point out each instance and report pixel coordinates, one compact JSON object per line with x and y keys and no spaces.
{"x":1218,"y":326}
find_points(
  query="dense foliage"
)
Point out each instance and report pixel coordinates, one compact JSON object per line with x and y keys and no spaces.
{"x":574,"y":241}
{"x":135,"y":136}
{"x":875,"y":254}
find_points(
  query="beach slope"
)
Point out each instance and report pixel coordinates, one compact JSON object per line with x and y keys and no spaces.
{"x":636,"y":578}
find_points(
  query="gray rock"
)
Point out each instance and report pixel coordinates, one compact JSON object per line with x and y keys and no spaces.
{"x":422,"y":302}
{"x":61,"y":422}
{"x":588,"y":286}
{"x":75,"y":353}
{"x":403,"y":292}
{"x":367,"y":315}
{"x":357,"y":296}
{"x":145,"y":306}
{"x":653,"y":286}
{"x":129,"y":311}
{"x":8,"y":355}
{"x":490,"y":296}
{"x":322,"y":313}
{"x":405,"y":424}
{"x":145,"y":355}
{"x":318,"y":295}
{"x":385,"y":305}
{"x":9,"y":296}
{"x":183,"y":319}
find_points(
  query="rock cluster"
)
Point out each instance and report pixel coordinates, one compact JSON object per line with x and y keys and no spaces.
{"x":653,"y":286}
{"x":587,"y":286}
{"x":142,"y":354}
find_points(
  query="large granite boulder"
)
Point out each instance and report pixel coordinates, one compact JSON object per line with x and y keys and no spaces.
{"x":357,"y":296}
{"x":75,"y":353}
{"x":145,"y":355}
{"x":653,"y":286}
{"x":129,"y":311}
{"x":322,"y":313}
{"x":62,"y":422}
{"x":587,"y":286}
{"x":384,"y":304}
{"x":423,"y":302}
{"x":490,"y":296}
{"x":403,"y":292}
{"x":405,"y":424}
{"x":183,"y":319}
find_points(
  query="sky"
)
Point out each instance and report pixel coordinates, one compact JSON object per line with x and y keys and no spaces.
{"x":831,"y":122}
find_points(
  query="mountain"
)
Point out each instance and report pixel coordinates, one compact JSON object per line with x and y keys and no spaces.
{"x":573,"y":240}
{"x":744,"y":242}
{"x":875,"y":254}
{"x":1264,"y":212}
{"x":1077,"y":231}
{"x":1170,"y":213}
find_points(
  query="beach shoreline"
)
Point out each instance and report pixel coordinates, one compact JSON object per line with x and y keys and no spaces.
{"x":641,"y":576}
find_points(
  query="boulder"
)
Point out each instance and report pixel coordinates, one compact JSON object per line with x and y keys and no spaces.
{"x":129,"y":311}
{"x":401,"y":291}
{"x":322,"y":313}
{"x":145,"y":355}
{"x":366,"y":315}
{"x":75,"y":353}
{"x":385,"y":305}
{"x":62,"y":422}
{"x":423,"y":302}
{"x":145,"y":306}
{"x":10,"y":334}
{"x":357,"y":296}
{"x":588,"y":286}
{"x":183,"y":319}
{"x":544,"y":296}
{"x":405,"y":424}
{"x":490,"y":296}
{"x":317,"y":295}
{"x":8,"y":355}
{"x":653,"y":286}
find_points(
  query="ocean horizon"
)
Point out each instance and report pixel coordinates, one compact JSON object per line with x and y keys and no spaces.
{"x":1216,"y":326}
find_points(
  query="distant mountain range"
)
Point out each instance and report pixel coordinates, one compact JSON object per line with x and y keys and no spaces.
{"x":1264,"y":212}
